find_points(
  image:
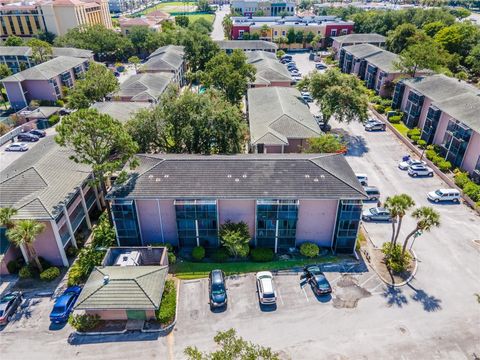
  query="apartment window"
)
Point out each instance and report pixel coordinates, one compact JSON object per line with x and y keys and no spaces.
{"x":276,"y":223}
{"x":413,"y":108}
{"x":283,"y":32}
{"x":333,"y":32}
{"x":197,"y":223}
{"x":398,"y":95}
{"x":240,"y":34}
{"x":275,"y":32}
{"x":78,"y":71}
{"x":455,"y":142}
{"x":431,"y":123}
{"x":126,"y":224}
{"x":67,"y":79}
{"x":56,"y":88}
{"x":346,"y":229}
{"x":20,"y":25}
{"x":29,"y":25}
{"x":344,"y":31}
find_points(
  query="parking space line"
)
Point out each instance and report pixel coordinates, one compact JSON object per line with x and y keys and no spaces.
{"x":305,"y":293}
{"x":280,"y":296}
{"x":380,"y":284}
{"x":370,"y":278}
{"x":336,"y":279}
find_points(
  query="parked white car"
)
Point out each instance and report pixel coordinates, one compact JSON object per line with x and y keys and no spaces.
{"x":444,"y":195}
{"x":362,"y":178}
{"x":420,"y":170}
{"x":266,"y":288}
{"x":17,"y":147}
{"x":404,"y":165}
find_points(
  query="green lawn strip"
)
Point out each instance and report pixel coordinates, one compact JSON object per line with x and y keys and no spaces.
{"x":195,"y":270}
{"x":164,"y":6}
{"x":402,"y":128}
{"x":209,"y":17}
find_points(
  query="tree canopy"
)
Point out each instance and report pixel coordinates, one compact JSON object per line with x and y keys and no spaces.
{"x":327,"y":143}
{"x":229,"y":74}
{"x":41,"y":50}
{"x":425,"y":55}
{"x":232,"y":347}
{"x":98,"y":82}
{"x":190,"y":123}
{"x":13,"y":40}
{"x":235,"y":238}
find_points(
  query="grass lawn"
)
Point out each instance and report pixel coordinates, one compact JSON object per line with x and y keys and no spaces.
{"x":169,"y":7}
{"x":196,"y":270}
{"x":209,"y":17}
{"x":402,"y":128}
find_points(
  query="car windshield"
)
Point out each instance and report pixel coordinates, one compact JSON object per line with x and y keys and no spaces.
{"x":374,"y":211}
{"x":1,"y":313}
{"x":322,"y":281}
{"x":269,"y":295}
{"x":217,"y":289}
{"x":439,"y":193}
{"x":58,"y":309}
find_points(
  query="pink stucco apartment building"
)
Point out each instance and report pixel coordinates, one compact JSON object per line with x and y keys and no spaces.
{"x":269,"y":71}
{"x":340,"y":42}
{"x":285,"y":199}
{"x":447,"y":111}
{"x":279,"y":120}
{"x":45,"y":185}
{"x":370,"y":63}
{"x":44,"y":81}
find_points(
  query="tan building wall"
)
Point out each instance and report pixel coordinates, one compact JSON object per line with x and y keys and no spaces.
{"x":23,"y":25}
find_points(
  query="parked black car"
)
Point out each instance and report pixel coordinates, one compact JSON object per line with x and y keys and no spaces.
{"x":317,"y":280}
{"x":27,"y":137}
{"x":8,"y":305}
{"x":217,"y":289}
{"x":39,"y":133}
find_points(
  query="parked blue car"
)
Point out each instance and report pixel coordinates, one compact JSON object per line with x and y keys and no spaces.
{"x":64,"y":304}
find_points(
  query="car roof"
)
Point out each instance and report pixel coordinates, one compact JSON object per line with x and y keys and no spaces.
{"x":217,"y":276}
{"x":267,"y":285}
{"x":449,"y":190}
{"x":370,"y":188}
{"x":313,"y":268}
{"x":62,"y":300}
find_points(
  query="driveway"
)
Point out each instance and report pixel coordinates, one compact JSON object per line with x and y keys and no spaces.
{"x":217,"y":33}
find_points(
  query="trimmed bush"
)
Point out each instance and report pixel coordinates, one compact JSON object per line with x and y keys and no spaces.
{"x":72,"y":251}
{"x":422,"y":144}
{"x":75,"y":275}
{"x":472,"y":190}
{"x":54,"y":119}
{"x":415,"y":138}
{"x":380,"y":108}
{"x":83,"y":322}
{"x":198,"y":253}
{"x":220,"y":255}
{"x":394,"y":259}
{"x":50,"y":274}
{"x":26,"y":272}
{"x":169,"y":247}
{"x":430,"y":154}
{"x":444,"y":165}
{"x":13,"y":267}
{"x":309,"y":249}
{"x":172,"y":259}
{"x":166,"y":314}
{"x":261,"y":254}
{"x":413,"y":132}
{"x":395,"y":119}
{"x":461,"y":179}
{"x":437,"y":159}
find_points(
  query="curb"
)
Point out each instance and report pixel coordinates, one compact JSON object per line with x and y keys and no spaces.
{"x":96,"y":333}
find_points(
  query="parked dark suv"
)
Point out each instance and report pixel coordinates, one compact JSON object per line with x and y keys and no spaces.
{"x":39,"y":133}
{"x":217,"y":289}
{"x":28,"y":137}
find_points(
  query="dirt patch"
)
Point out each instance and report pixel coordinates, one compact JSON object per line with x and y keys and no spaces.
{"x":110,"y":325}
{"x":348,"y":293}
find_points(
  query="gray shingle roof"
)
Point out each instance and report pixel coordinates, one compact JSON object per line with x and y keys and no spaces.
{"x":379,"y":57}
{"x":360,"y":38}
{"x":128,"y":287}
{"x":144,"y":87}
{"x":166,"y":58}
{"x":457,"y":98}
{"x":40,"y":180}
{"x":56,"y":51}
{"x":47,"y":70}
{"x":246,"y":45}
{"x":268,"y":68}
{"x":120,"y":110}
{"x":281,"y":112}
{"x":247,"y":176}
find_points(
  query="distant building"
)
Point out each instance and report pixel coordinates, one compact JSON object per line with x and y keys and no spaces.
{"x":44,"y":81}
{"x":285,"y":199}
{"x":144,"y":87}
{"x":279,"y":120}
{"x":128,"y":285}
{"x":268,"y":8}
{"x":247,"y":45}
{"x":46,"y":185}
{"x":370,"y":63}
{"x":355,"y":39}
{"x":168,"y":59}
{"x":269,"y":71}
{"x":447,"y":111}
{"x":120,"y":110}
{"x":28,"y":18}
{"x":19,"y":58}
{"x":272,"y":28}
{"x":152,"y":21}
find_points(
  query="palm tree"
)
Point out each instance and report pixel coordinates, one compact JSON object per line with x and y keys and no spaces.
{"x":24,"y":234}
{"x":398,"y":206}
{"x":6,"y":215}
{"x":427,"y":218}
{"x":317,"y":39}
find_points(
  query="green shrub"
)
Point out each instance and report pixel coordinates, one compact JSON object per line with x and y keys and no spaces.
{"x":395,"y":119}
{"x":261,"y":254}
{"x":54,"y":119}
{"x":198,"y":253}
{"x":75,"y":275}
{"x":430,"y":154}
{"x":413,"y":132}
{"x":13,"y":267}
{"x":220,"y":255}
{"x":50,"y":274}
{"x":26,"y":272}
{"x":104,"y":233}
{"x":388,"y":108}
{"x":415,"y":138}
{"x":461,"y":179}
{"x":309,"y":249}
{"x":387,"y":103}
{"x":472,"y":190}
{"x":437,"y":159}
{"x":83,"y":322}
{"x":166,"y":313}
{"x":169,"y":247}
{"x":444,"y":165}
{"x":376,"y":99}
{"x":172,"y":259}
{"x":394,"y":259}
{"x":60,"y":103}
{"x":380,"y":108}
{"x":72,"y":251}
{"x":422,"y":144}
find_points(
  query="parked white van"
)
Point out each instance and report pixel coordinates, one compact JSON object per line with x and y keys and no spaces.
{"x":444,"y":195}
{"x":363,"y":178}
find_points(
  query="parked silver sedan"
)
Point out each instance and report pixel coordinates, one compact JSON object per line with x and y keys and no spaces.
{"x":376,"y":214}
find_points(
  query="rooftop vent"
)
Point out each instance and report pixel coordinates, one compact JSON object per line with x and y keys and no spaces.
{"x":158,"y":179}
{"x":166,"y":176}
{"x":307,"y":176}
{"x":229,"y":176}
{"x":315,"y":180}
{"x":150,"y":176}
{"x":244,"y":176}
{"x":237,"y":180}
